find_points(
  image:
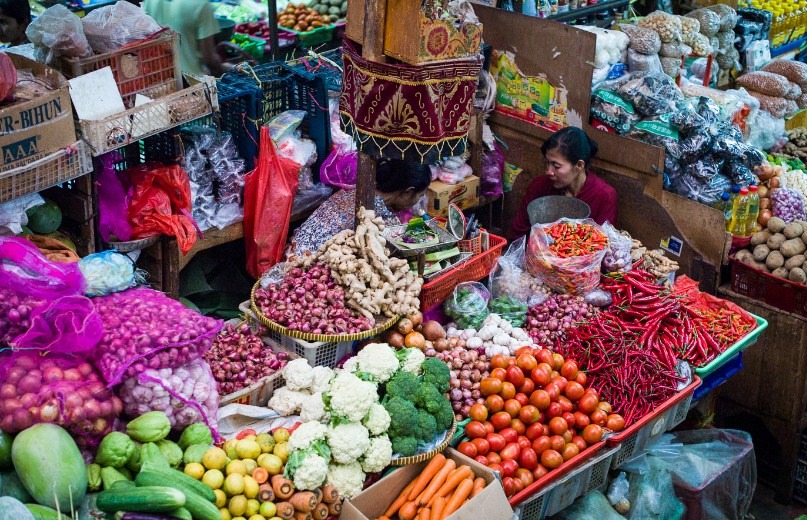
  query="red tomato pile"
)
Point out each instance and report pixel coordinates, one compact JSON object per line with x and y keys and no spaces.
{"x":537,"y":415}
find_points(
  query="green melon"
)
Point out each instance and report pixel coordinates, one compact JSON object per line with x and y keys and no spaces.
{"x":45,"y":218}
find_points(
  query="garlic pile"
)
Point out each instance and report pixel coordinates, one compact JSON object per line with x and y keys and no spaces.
{"x":496,"y":336}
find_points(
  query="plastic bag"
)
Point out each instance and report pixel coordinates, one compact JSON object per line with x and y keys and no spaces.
{"x":468,"y":305}
{"x":610,"y":108}
{"x":642,"y":40}
{"x":787,"y":204}
{"x":509,"y":277}
{"x":618,"y":489}
{"x":186,"y":394}
{"x":107,"y":272}
{"x":303,"y":152}
{"x":727,"y":14}
{"x":308,"y":199}
{"x":575,"y":274}
{"x":113,"y":217}
{"x":12,"y":213}
{"x":638,"y":62}
{"x":766,"y":83}
{"x":8,"y":77}
{"x":591,"y":506}
{"x":58,"y":32}
{"x":778,"y":107}
{"x":111,"y":27}
{"x":651,"y":94}
{"x":268,"y":199}
{"x":283,"y":125}
{"x":57,"y":389}
{"x":709,"y":21}
{"x":453,"y":170}
{"x":617,"y":254}
{"x":490,"y":180}
{"x":701,"y":45}
{"x":671,"y":66}
{"x":143,"y":329}
{"x":794,"y":71}
{"x":666,"y":25}
{"x":651,"y":493}
{"x":338,"y":170}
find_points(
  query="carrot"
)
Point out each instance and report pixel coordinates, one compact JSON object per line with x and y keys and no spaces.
{"x":335,"y":508}
{"x":329,"y":494}
{"x":282,"y":487}
{"x":438,"y":507}
{"x":382,"y":518}
{"x":265,"y":493}
{"x":479,"y":485}
{"x":260,"y":475}
{"x":320,"y":512}
{"x":454,"y":480}
{"x":304,"y":501}
{"x":284,"y":510}
{"x":425,"y":514}
{"x":408,"y":511}
{"x":318,"y":492}
{"x":463,"y":490}
{"x":436,"y":482}
{"x":428,"y":473}
{"x":300,"y":515}
{"x":400,"y":501}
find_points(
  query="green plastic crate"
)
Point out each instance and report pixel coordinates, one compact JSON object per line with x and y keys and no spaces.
{"x":741,"y":345}
{"x":315,"y":37}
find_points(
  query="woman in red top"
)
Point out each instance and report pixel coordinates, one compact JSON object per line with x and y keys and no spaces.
{"x":568,"y":154}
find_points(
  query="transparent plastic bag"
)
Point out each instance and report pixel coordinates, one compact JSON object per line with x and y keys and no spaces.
{"x":642,"y":40}
{"x":652,"y":94}
{"x":111,"y":27}
{"x":787,"y":204}
{"x":285,"y":124}
{"x":490,"y":180}
{"x":573,"y":275}
{"x":727,"y":14}
{"x":338,"y":170}
{"x":113,"y":219}
{"x":591,"y":506}
{"x":58,"y":33}
{"x":794,"y":71}
{"x":468,"y":305}
{"x":766,"y":83}
{"x":617,"y":254}
{"x":310,"y":198}
{"x":651,"y":494}
{"x":638,"y":62}
{"x":509,"y":277}
{"x":666,"y":25}
{"x":13,"y":213}
{"x":709,"y":21}
{"x":107,"y":272}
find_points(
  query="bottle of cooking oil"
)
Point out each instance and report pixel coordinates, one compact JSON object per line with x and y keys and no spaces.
{"x":724,"y":205}
{"x":753,"y":210}
{"x":739,"y":214}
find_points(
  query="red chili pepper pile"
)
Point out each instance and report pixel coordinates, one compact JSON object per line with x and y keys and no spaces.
{"x":575,"y":239}
{"x":723,"y":324}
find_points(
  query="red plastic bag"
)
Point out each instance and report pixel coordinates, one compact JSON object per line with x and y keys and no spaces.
{"x":269,"y":192}
{"x":161,"y":204}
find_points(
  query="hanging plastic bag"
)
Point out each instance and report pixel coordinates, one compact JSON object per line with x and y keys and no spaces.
{"x":509,"y":277}
{"x":113,"y":218}
{"x":339,"y":169}
{"x":268,"y":198}
{"x":490,"y":180}
{"x":468,"y":305}
{"x":617,"y":254}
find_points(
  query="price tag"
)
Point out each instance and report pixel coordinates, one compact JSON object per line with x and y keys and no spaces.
{"x":672,"y":245}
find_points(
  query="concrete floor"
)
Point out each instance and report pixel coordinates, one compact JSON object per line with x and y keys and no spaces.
{"x":764,"y":507}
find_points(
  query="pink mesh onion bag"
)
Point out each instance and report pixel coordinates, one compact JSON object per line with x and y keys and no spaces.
{"x":144,"y":329}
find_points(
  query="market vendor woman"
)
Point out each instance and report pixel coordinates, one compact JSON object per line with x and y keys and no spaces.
{"x":399,"y":185}
{"x":568,"y":153}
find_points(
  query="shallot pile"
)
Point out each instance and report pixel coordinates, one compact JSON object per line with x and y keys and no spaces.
{"x":239,"y":359}
{"x":468,"y":367}
{"x":549,"y":320}
{"x":57,"y":390}
{"x":15,"y":314}
{"x":310,"y":301}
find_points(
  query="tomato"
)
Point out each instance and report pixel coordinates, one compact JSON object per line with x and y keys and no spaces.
{"x":559,"y":360}
{"x":482,"y":446}
{"x":540,"y":399}
{"x":569,"y":370}
{"x":528,"y":459}
{"x":540,"y":376}
{"x":467,"y":449}
{"x":587,"y":403}
{"x":556,"y":443}
{"x":508,"y":483}
{"x":499,"y":361}
{"x":553,"y":374}
{"x":499,"y":373}
{"x":565,"y":404}
{"x":529,"y":414}
{"x":526,"y":362}
{"x":580,"y":441}
{"x":481,"y":459}
{"x":544,"y":355}
{"x":569,"y":418}
{"x":525,"y":351}
{"x":511,"y":361}
{"x":490,"y":386}
{"x":558,"y":425}
{"x":553,"y":391}
{"x":581,"y":378}
{"x":518,"y":426}
{"x":496,"y":467}
{"x":494,"y":458}
{"x":605,"y":406}
{"x":494,"y":403}
{"x":522,"y":399}
{"x":508,"y":390}
{"x":515,"y":375}
{"x":475,"y":430}
{"x":500,"y":420}
{"x":512,"y":407}
{"x":546,"y":429}
{"x":509,"y":434}
{"x":599,"y":417}
{"x":489,"y":427}
{"x":560,"y":381}
{"x":554,"y":410}
{"x":510,"y":452}
{"x":568,"y":435}
{"x":574,"y":390}
{"x":527,"y":388}
{"x":478,"y":412}
{"x":539,"y":472}
{"x":569,"y":451}
{"x":496,"y":442}
{"x":541,"y":444}
{"x":525,"y":475}
{"x":592,"y":434}
{"x":592,"y":390}
{"x":551,"y":459}
{"x":615,"y":422}
{"x":581,"y":420}
{"x":534,"y":431}
{"x":518,"y":484}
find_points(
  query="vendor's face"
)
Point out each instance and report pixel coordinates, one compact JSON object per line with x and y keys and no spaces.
{"x":10,"y":30}
{"x":562,"y":172}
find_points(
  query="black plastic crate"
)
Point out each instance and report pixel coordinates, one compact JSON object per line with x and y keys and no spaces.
{"x":329,"y":69}
{"x":238,"y":112}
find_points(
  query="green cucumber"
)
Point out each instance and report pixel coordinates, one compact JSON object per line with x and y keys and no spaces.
{"x":148,"y":499}
{"x":199,"y":505}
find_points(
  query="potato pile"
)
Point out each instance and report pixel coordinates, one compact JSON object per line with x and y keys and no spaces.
{"x":300,"y":18}
{"x":779,"y":250}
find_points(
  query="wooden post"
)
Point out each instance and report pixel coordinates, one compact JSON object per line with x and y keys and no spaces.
{"x":375,"y":16}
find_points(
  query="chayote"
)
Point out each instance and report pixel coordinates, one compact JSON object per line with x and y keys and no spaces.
{"x":195,"y":453}
{"x":94,"y":477}
{"x":134,"y":461}
{"x":110,"y":475}
{"x":196,"y":433}
{"x":149,"y":427}
{"x":115,"y":450}
{"x":172,"y":452}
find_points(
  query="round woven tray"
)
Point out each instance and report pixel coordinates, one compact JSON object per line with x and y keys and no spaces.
{"x":307,"y":336}
{"x":420,"y":457}
{"x":134,"y":245}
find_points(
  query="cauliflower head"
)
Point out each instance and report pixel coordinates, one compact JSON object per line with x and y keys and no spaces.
{"x":313,"y":409}
{"x":311,"y":473}
{"x":377,"y":420}
{"x":378,"y":360}
{"x":411,"y":360}
{"x":348,"y":442}
{"x":350,"y":397}
{"x":286,"y":401}
{"x":351,"y":365}
{"x":322,"y":376}
{"x":348,"y":479}
{"x":378,"y":455}
{"x":298,"y":374}
{"x":306,"y":435}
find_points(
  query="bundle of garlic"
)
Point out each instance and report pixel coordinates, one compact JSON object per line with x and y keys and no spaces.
{"x":496,"y":336}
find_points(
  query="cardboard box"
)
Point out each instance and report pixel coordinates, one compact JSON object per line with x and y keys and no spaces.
{"x":465,"y":195}
{"x":33,"y":129}
{"x":490,"y":504}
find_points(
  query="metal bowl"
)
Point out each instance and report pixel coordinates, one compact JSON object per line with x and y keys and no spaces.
{"x":545,"y":210}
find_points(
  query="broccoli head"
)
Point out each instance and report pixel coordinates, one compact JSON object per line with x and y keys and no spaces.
{"x":427,"y":426}
{"x":444,"y":415}
{"x":437,"y":373}
{"x":403,"y":417}
{"x":406,"y":446}
{"x":429,"y":397}
{"x":404,"y":385}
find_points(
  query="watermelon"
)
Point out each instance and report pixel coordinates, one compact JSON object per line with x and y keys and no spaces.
{"x":45,"y":218}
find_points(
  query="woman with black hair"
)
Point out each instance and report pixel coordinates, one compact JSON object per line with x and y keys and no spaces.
{"x":15,"y":15}
{"x":399,"y":185}
{"x":568,"y":153}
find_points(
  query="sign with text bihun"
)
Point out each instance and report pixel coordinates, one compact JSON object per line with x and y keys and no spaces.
{"x":39,"y":121}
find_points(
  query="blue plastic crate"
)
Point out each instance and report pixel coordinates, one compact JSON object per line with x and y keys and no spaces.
{"x":719,"y":376}
{"x":310,"y":67}
{"x":238,"y":112}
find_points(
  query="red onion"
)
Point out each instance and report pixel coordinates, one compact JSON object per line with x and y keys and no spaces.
{"x":468,"y":367}
{"x":547,"y":321}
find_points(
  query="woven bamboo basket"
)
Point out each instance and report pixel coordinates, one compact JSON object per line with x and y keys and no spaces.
{"x":420,"y":457}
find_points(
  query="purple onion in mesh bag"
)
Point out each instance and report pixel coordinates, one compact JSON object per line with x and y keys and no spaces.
{"x":787,"y":204}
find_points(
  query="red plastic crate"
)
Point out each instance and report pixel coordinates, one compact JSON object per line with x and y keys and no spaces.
{"x":776,"y":292}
